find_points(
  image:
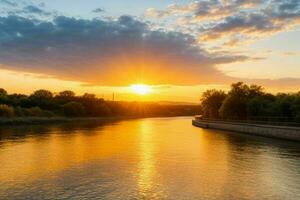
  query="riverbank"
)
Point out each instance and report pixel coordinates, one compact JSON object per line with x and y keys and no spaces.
{"x":279,"y":132}
{"x":52,"y":120}
{"x":15,"y":121}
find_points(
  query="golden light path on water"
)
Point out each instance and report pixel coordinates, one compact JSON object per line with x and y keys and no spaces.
{"x":155,"y":158}
{"x":146,"y":166}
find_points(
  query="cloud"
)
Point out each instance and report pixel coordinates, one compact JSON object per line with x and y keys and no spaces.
{"x":25,"y":8}
{"x":125,"y":50}
{"x":292,"y":84}
{"x":33,"y":9}
{"x":231,"y":19}
{"x":205,"y":9}
{"x":245,"y":24}
{"x":107,"y":52}
{"x":172,"y":10}
{"x":98,"y":10}
{"x":7,"y":2}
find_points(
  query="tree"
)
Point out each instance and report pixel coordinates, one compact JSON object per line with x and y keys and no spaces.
{"x":286,"y":105}
{"x":65,"y":97}
{"x":73,"y":109}
{"x":42,"y":94}
{"x":233,"y":108}
{"x":101,"y":110}
{"x":3,"y":92}
{"x":235,"y":104}
{"x":34,"y":112}
{"x":66,"y":94}
{"x":211,"y":101}
{"x":6,"y":111}
{"x":3,"y":96}
{"x":16,"y":99}
{"x":42,"y":99}
{"x":88,"y":96}
{"x":260,"y":108}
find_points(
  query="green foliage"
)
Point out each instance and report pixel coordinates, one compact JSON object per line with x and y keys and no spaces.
{"x":250,"y":102}
{"x":42,"y":94}
{"x":66,"y":94}
{"x":42,"y":99}
{"x":211,"y":101}
{"x":6,"y":111}
{"x":297,"y":117}
{"x":36,"y":112}
{"x":259,"y":106}
{"x":3,"y":92}
{"x":235,"y":104}
{"x":89,"y":96}
{"x":73,"y":109}
{"x":32,"y":112}
{"x":233,"y":108}
{"x":42,"y":103}
{"x":100,"y":110}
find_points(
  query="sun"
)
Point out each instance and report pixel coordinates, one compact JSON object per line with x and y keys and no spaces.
{"x":140,"y":89}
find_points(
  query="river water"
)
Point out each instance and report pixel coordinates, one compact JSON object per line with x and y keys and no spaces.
{"x":155,"y":158}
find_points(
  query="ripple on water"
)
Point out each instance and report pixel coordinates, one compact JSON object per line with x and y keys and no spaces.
{"x":164,"y":158}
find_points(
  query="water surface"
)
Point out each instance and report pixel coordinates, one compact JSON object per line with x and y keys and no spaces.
{"x":159,"y":158}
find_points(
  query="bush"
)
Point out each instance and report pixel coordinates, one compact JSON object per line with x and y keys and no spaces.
{"x":100,"y":110}
{"x":47,"y":113}
{"x":34,"y":112}
{"x":73,"y":109}
{"x":19,"y":112}
{"x":6,"y":111}
{"x":3,"y":92}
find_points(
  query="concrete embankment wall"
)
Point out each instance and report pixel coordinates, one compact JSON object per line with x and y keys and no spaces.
{"x":281,"y":132}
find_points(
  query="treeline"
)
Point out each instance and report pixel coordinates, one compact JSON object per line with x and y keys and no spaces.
{"x":245,"y":102}
{"x":43,"y":103}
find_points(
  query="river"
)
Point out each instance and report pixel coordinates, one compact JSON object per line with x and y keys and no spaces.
{"x":154,"y":158}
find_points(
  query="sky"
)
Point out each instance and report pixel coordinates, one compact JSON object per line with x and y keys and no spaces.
{"x":178,"y":49}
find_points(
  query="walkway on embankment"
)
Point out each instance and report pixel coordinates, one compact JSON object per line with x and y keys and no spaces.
{"x":280,"y":132}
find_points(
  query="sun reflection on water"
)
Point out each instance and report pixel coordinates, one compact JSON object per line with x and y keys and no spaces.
{"x":147,"y":173}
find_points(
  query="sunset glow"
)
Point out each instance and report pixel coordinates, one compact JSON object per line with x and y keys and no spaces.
{"x":180,"y":48}
{"x":141,"y":99}
{"x":140,"y":89}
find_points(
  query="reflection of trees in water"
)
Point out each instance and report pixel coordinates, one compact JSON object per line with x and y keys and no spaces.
{"x":241,"y":161}
{"x":18,"y":133}
{"x":259,"y":145}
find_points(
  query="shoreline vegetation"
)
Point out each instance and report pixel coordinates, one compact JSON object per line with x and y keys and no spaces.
{"x":4,"y":121}
{"x":42,"y":106}
{"x":249,"y":104}
{"x":53,"y":120}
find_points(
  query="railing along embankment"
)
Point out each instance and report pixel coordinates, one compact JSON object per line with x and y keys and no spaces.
{"x":273,"y":131}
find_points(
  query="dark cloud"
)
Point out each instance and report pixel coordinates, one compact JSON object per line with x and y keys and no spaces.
{"x":120,"y":51}
{"x":267,"y":18}
{"x":107,"y":52}
{"x":284,"y":10}
{"x":33,"y":9}
{"x":10,"y":3}
{"x":233,"y":19}
{"x":249,"y":24}
{"x":98,"y":10}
